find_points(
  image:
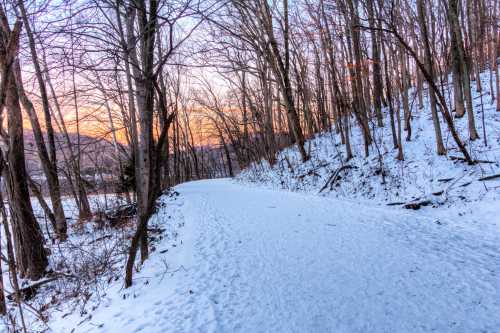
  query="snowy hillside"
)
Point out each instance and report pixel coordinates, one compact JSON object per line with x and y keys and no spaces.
{"x":446,"y":182}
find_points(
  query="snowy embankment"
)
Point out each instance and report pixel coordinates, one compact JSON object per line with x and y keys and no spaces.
{"x":447,"y":186}
{"x":78,"y":268}
{"x":242,"y":259}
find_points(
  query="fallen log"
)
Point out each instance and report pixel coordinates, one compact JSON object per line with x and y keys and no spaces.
{"x":458,"y":158}
{"x":312,"y":172}
{"x":333,"y":178}
{"x":445,"y":180}
{"x":28,"y":292}
{"x":395,"y":203}
{"x":489,"y":177}
{"x":99,"y":239}
{"x":417,"y":205}
{"x":120,"y":214}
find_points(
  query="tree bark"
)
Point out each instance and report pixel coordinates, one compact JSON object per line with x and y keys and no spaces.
{"x":377,"y":75}
{"x":429,"y":67}
{"x":457,"y":40}
{"x":49,"y":160}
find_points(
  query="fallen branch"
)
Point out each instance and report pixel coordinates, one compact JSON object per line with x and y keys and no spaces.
{"x":395,"y":203}
{"x":29,"y":291}
{"x":445,"y":180}
{"x":309,"y":173}
{"x":490,"y":177}
{"x":481,"y":95}
{"x":156,"y":230}
{"x":333,"y":177}
{"x":457,"y":158}
{"x":312,"y":172}
{"x":99,"y":239}
{"x":417,"y":205}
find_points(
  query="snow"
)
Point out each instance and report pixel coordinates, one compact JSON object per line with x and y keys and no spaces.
{"x":248,"y":259}
{"x":466,"y":201}
{"x":268,"y":253}
{"x":93,"y":253}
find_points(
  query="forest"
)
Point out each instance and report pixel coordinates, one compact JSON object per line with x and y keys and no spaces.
{"x":111,"y":111}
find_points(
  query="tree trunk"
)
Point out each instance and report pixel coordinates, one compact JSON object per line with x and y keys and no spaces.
{"x":377,"y":75}
{"x":49,"y":160}
{"x":30,"y":252}
{"x":49,"y":168}
{"x":145,"y":88}
{"x":3,"y":305}
{"x":360,"y":109}
{"x":429,"y":67}
{"x":456,"y":36}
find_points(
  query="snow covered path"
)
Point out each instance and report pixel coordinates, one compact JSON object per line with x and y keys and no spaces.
{"x":257,"y":260}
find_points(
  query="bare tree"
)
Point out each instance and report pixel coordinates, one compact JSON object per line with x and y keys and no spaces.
{"x":30,"y":252}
